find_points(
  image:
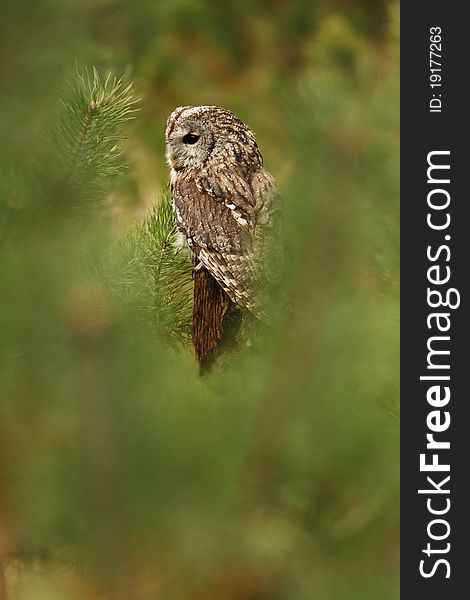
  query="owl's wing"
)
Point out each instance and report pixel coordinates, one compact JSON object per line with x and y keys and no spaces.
{"x":267,"y":238}
{"x":218,"y":214}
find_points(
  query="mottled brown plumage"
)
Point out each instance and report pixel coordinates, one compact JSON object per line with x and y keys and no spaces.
{"x":225,"y":201}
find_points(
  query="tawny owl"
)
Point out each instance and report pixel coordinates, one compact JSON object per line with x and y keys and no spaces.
{"x":225,"y":201}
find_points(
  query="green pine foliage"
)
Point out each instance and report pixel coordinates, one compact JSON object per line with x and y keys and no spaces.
{"x":169,"y":272}
{"x":86,"y":140}
{"x":148,"y":273}
{"x":88,"y":132}
{"x":80,"y":154}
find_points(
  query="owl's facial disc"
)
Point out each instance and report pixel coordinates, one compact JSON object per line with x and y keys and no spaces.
{"x":188,"y":145}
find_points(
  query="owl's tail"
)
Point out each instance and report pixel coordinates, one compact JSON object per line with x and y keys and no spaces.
{"x":215,"y":321}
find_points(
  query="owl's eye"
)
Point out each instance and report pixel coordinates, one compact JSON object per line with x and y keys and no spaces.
{"x":190,"y":138}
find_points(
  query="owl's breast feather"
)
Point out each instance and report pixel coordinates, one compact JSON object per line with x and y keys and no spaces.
{"x":173,"y":175}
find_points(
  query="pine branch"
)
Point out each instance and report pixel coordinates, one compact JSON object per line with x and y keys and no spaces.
{"x":148,"y":275}
{"x":87,"y":141}
{"x":82,"y":153}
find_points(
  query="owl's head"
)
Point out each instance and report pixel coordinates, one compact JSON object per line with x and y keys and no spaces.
{"x":195,"y":134}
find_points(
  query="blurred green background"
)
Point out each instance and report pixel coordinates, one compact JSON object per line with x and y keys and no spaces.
{"x":123,"y":475}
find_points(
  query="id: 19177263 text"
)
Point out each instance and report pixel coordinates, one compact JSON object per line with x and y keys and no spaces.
{"x":435,"y":69}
